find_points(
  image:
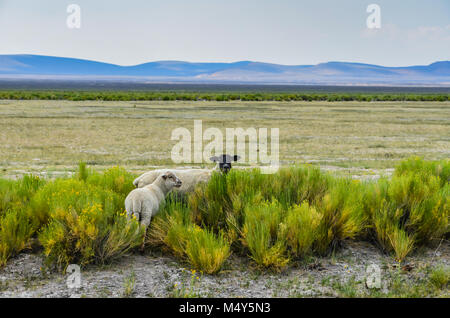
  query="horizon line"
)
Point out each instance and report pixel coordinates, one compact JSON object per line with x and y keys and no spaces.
{"x":234,"y":62}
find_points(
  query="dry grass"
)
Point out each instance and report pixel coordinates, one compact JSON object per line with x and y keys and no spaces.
{"x":56,"y":135}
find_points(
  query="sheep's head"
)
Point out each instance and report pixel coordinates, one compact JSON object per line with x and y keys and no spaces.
{"x":171,"y":180}
{"x":225,"y":162}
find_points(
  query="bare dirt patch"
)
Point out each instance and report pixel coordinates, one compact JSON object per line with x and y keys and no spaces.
{"x":342,"y":274}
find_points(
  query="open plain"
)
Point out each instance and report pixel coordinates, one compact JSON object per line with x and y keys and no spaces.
{"x":360,"y":138}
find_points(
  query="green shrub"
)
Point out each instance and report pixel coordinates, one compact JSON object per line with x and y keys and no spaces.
{"x":410,"y":210}
{"x":28,"y":185}
{"x":294,"y":185}
{"x":422,"y":204}
{"x":419,"y":166}
{"x":16,"y":194}
{"x":90,"y":235}
{"x":440,"y":276}
{"x":300,"y":228}
{"x":295,"y":212}
{"x":414,"y":201}
{"x":170,"y":229}
{"x":115,"y":179}
{"x":384,"y":221}
{"x":428,"y":220}
{"x":226,"y":197}
{"x":174,"y":230}
{"x":401,"y":242}
{"x":206,"y":251}
{"x":374,"y":198}
{"x":245,"y":187}
{"x":68,"y":194}
{"x":16,"y":229}
{"x":342,"y":215}
{"x":17,"y":224}
{"x":86,"y":224}
{"x":83,"y":172}
{"x":260,"y":234}
{"x":210,"y":202}
{"x":214,"y":95}
{"x":8,"y":195}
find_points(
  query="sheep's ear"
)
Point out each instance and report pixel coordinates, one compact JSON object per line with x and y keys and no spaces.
{"x":164,"y":176}
{"x":214,"y":159}
{"x":236,"y":157}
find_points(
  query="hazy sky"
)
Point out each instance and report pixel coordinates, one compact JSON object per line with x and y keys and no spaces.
{"x":277,"y":31}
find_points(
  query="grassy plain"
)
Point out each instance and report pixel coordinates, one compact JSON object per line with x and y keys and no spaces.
{"x":358,"y":137}
{"x":46,"y":135}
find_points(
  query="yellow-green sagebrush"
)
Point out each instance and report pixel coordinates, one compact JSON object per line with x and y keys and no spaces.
{"x":274,"y":219}
{"x":260,"y":234}
{"x":86,"y":220}
{"x":412,"y":208}
{"x":175,"y":231}
{"x":314,"y":212}
{"x":17,"y":221}
{"x":77,"y":220}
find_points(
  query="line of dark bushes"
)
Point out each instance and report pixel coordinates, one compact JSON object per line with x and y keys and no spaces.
{"x":213,"y":96}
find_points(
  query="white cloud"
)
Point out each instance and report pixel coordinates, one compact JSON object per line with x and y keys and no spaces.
{"x":394,"y":32}
{"x":390,"y":31}
{"x":435,"y":33}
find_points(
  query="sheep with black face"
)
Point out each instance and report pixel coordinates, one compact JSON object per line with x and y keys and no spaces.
{"x":189,"y":177}
{"x":224,"y":162}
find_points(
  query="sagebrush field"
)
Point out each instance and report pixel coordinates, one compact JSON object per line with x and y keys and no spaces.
{"x":53,"y":136}
{"x":276,"y":220}
{"x":308,"y":213}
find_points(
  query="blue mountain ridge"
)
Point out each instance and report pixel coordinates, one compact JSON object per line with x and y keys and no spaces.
{"x":243,"y":71}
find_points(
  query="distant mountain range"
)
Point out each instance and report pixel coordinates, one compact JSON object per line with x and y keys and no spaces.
{"x":331,"y":73}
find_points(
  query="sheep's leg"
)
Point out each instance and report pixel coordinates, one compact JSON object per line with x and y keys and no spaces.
{"x":142,"y":248}
{"x":145,"y":222}
{"x":132,"y":208}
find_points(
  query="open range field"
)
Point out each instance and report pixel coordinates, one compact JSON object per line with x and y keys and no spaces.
{"x":299,"y":232}
{"x":296,"y":233}
{"x":53,"y":136}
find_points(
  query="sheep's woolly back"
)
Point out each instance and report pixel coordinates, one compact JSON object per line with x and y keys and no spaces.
{"x":189,"y":178}
{"x":145,"y":202}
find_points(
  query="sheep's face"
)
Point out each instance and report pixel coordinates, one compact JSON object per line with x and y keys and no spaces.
{"x":225,"y":162}
{"x":171,"y":180}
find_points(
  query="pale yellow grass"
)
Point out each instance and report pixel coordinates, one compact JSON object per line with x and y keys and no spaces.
{"x":56,"y":135}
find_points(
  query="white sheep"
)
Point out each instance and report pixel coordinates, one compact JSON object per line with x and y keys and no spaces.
{"x":189,"y":177}
{"x":143,"y":203}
